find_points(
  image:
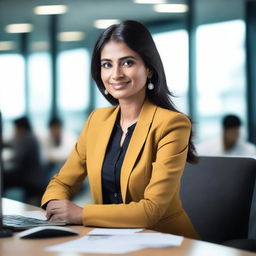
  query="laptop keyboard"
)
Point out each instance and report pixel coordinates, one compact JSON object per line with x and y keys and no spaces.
{"x":22,"y":222}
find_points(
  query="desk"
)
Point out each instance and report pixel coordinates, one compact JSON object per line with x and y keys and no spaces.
{"x":14,"y":246}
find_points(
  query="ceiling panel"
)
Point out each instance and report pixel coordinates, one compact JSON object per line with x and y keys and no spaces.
{"x":82,"y":14}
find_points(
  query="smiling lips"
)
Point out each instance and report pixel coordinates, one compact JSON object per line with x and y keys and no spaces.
{"x":120,"y":85}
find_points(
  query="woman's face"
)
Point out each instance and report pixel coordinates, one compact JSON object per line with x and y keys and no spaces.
{"x":123,"y":72}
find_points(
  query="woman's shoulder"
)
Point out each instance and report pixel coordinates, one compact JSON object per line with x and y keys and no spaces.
{"x":102,"y":113}
{"x":166,"y":121}
{"x":105,"y":109}
{"x":170,"y":115}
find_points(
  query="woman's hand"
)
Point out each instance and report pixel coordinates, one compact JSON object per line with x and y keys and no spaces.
{"x":64,"y":210}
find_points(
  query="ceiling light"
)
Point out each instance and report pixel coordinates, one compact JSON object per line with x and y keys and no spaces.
{"x":102,"y":24}
{"x":171,"y":8}
{"x":19,"y":28}
{"x":7,"y":45}
{"x":149,"y":1}
{"x":71,"y":36}
{"x":50,"y":9}
{"x":40,"y":46}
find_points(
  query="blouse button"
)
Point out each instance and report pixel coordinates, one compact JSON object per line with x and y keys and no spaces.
{"x":115,"y":194}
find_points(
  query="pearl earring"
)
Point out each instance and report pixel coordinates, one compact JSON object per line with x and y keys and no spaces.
{"x":105,"y":92}
{"x":151,"y":86}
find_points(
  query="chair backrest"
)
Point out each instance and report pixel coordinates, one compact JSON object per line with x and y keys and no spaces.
{"x":217,"y":194}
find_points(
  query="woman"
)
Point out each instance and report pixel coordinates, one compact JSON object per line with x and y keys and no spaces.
{"x":134,"y":152}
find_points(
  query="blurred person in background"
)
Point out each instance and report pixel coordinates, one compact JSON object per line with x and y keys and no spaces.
{"x":57,"y":144}
{"x":230,"y":143}
{"x":23,"y":168}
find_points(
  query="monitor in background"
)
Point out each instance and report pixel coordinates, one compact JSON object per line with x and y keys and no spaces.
{"x":4,"y":232}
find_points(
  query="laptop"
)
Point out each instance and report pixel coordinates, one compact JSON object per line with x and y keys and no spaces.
{"x":18,"y":222}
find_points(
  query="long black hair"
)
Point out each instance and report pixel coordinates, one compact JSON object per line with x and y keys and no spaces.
{"x":137,"y":37}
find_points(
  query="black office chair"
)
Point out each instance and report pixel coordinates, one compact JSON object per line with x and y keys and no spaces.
{"x":217,"y":194}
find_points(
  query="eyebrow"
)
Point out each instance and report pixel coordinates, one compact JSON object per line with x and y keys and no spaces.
{"x":123,"y":58}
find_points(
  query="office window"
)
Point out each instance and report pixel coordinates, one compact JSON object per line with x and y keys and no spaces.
{"x":12,"y":86}
{"x":100,"y":101}
{"x":220,"y":75}
{"x":39,"y":88}
{"x":173,"y":49}
{"x":73,"y":87}
{"x":73,"y":78}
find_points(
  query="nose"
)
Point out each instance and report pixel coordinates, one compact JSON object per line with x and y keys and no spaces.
{"x":117,"y":73}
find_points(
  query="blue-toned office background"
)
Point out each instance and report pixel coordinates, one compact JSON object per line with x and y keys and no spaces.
{"x":204,"y":49}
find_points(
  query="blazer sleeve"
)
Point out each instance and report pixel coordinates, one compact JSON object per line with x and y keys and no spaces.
{"x":71,"y":176}
{"x":167,"y":169}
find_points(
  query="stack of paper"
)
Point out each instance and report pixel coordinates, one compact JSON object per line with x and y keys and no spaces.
{"x":117,"y":241}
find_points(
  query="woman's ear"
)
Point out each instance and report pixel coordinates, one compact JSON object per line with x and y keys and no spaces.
{"x":150,"y":73}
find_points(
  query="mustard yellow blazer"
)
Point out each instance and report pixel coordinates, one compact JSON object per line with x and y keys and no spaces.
{"x":150,"y":174}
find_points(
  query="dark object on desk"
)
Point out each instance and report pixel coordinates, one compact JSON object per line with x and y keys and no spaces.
{"x":47,"y":232}
{"x":217,"y":194}
{"x":19,"y":222}
{"x":244,"y":244}
{"x":4,"y":232}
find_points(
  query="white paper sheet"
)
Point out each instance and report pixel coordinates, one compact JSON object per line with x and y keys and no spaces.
{"x":93,"y":244}
{"x":114,"y":231}
{"x":117,"y":243}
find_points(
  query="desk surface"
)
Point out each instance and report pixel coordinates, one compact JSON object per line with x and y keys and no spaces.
{"x":14,"y":246}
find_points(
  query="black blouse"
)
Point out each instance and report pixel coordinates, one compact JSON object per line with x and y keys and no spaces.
{"x":112,"y":165}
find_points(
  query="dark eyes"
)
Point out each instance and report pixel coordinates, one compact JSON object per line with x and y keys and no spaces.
{"x":128,"y":63}
{"x":125,"y":63}
{"x":106,"y":65}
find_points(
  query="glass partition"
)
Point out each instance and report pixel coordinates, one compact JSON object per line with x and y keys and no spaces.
{"x":12,"y":85}
{"x":12,"y":90}
{"x":73,"y":87}
{"x":173,"y":49}
{"x":39,"y":94}
{"x":220,"y":75}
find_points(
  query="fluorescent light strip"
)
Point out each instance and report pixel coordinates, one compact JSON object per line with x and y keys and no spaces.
{"x":7,"y":45}
{"x":71,"y":36}
{"x":19,"y":28}
{"x":40,"y":46}
{"x":105,"y":23}
{"x":50,"y":9}
{"x":149,"y":1}
{"x":171,"y":8}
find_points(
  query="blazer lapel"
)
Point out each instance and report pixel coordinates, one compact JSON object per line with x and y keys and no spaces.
{"x":101,"y":141}
{"x":136,"y":143}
